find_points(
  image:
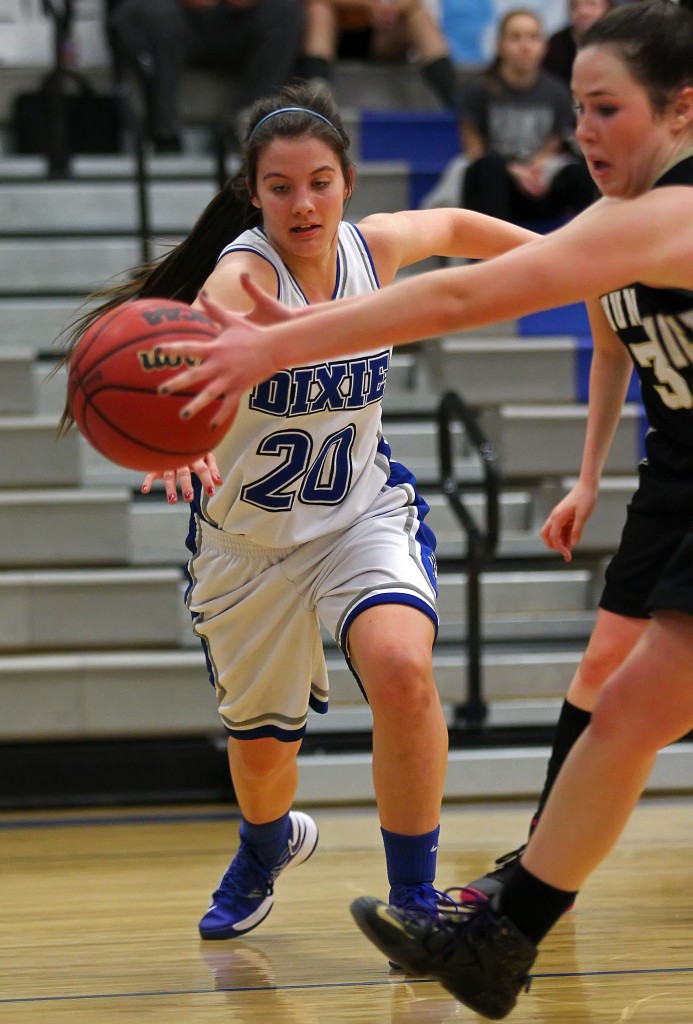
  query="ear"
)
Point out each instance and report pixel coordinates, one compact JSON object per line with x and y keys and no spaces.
{"x":349,"y":186}
{"x":682,"y":108}
{"x":253,"y":197}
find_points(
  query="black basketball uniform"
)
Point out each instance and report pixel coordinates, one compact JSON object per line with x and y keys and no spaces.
{"x":653,"y":567}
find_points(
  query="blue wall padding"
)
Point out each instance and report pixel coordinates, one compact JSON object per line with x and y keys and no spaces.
{"x":422,"y":178}
{"x":562,"y":320}
{"x":428,"y":137}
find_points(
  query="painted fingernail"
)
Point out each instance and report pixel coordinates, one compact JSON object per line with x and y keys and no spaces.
{"x":210,"y":491}
{"x":172,"y":499}
{"x":163,"y":390}
{"x":185,"y":415}
{"x":188,"y":495}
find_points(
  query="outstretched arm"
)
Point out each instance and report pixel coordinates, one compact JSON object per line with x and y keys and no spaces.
{"x":401,"y":239}
{"x":602,"y":249}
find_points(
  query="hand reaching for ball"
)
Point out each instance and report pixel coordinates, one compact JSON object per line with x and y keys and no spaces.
{"x":224,"y":369}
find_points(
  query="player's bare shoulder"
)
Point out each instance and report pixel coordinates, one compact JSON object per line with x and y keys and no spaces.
{"x":225,"y":285}
{"x":245,"y":261}
{"x":384,"y":234}
{"x":379,"y":230}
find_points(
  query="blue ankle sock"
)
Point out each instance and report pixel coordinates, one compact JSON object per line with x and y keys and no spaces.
{"x":411,"y":860}
{"x":269,"y":839}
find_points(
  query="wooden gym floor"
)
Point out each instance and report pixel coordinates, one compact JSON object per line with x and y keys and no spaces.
{"x":99,"y":915}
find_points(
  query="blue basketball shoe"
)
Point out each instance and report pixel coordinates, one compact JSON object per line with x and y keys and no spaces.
{"x":423,"y":899}
{"x":246,"y":892}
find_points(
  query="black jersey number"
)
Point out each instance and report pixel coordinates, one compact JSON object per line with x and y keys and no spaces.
{"x":323,"y":480}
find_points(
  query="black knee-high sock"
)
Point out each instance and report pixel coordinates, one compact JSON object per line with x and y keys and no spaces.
{"x":442,"y":78}
{"x":572,"y":722}
{"x":532,"y":905}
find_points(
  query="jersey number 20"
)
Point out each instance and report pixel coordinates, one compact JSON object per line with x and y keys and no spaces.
{"x":322,"y":480}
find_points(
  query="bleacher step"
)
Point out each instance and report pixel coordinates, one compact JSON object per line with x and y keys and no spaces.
{"x":88,"y":609}
{"x":17,"y":386}
{"x":32,"y":455}
{"x":150,"y":693}
{"x":32,"y":324}
{"x":65,"y":267}
{"x":493,"y":371}
{"x":547,"y":440}
{"x":63,"y":527}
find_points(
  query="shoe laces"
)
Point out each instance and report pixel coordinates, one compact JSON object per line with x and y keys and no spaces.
{"x":478,"y":923}
{"x":466,"y":900}
{"x":441,"y":937}
{"x":423,"y":899}
{"x":245,"y":877}
{"x":507,"y":859}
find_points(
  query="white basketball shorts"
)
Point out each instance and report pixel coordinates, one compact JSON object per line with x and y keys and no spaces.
{"x":258,"y":610}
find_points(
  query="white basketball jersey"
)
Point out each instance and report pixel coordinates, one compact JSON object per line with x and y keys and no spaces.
{"x":305,"y":455}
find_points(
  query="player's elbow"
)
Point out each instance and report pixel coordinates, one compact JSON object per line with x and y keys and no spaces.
{"x":455,"y":309}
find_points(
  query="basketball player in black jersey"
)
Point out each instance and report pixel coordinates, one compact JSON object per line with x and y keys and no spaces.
{"x":630,"y":256}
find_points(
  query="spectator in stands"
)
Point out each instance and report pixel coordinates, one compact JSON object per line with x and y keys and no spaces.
{"x":257,"y":41}
{"x":380,"y":30}
{"x":517,"y":123}
{"x":562,"y":45}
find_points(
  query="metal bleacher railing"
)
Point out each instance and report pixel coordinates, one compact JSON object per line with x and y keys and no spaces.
{"x":482,"y":541}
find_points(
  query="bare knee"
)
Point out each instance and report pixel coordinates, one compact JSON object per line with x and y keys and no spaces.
{"x":598,"y":663}
{"x":398,"y":680}
{"x":621,"y":723}
{"x":613,"y":638}
{"x":262,"y":759}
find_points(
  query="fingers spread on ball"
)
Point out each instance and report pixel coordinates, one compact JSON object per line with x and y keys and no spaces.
{"x":114,"y":385}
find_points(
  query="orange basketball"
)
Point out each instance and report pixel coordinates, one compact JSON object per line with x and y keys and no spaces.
{"x":115,"y":372}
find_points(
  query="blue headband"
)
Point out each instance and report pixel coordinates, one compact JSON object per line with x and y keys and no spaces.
{"x":292,"y":110}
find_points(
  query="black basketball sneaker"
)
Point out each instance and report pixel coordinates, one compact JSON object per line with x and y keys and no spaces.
{"x":482,"y":959}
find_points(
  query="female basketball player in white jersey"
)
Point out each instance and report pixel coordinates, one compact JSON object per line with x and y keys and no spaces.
{"x":633,"y":83}
{"x":311,"y":520}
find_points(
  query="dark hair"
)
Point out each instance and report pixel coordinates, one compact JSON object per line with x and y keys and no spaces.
{"x":180,"y":273}
{"x":610,"y":4}
{"x":655,"y":40}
